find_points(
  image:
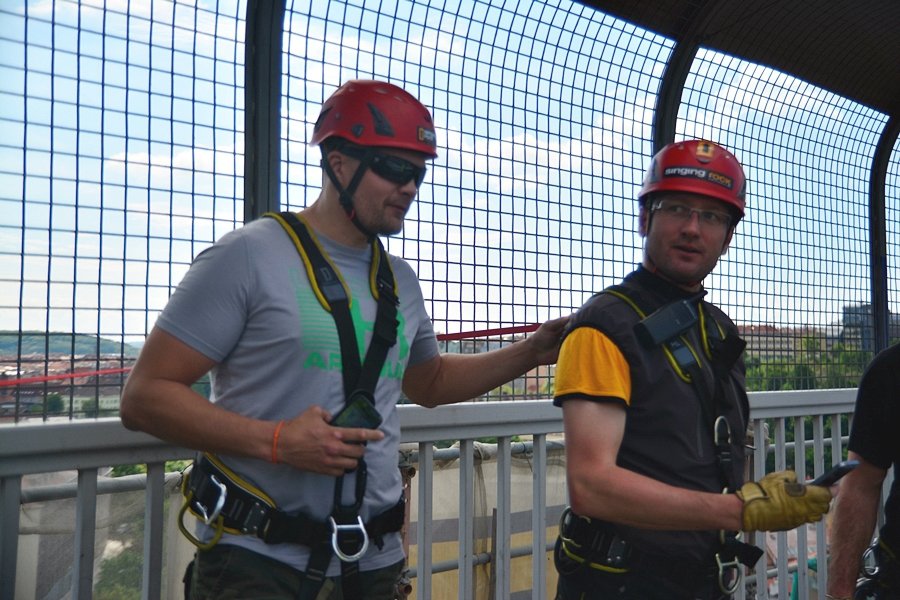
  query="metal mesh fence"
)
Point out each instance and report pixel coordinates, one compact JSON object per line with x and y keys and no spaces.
{"x":122,"y":145}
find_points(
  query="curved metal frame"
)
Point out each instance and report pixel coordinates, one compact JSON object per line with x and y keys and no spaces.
{"x":262,"y":113}
{"x":665,"y":118}
{"x":878,"y":233}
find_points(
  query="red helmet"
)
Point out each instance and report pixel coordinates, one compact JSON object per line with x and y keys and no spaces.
{"x":376,"y":113}
{"x":697,"y":167}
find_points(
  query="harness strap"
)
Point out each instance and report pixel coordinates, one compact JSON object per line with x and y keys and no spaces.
{"x":359,"y":378}
{"x":589,"y":545}
{"x":334,"y":296}
{"x":345,"y":195}
{"x":722,"y":352}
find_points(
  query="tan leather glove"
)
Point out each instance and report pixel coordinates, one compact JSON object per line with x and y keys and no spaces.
{"x":777,"y":502}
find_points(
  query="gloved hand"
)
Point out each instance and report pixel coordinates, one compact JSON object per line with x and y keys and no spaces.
{"x":777,"y":502}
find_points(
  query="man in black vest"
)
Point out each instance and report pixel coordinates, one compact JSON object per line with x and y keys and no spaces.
{"x":651,"y":384}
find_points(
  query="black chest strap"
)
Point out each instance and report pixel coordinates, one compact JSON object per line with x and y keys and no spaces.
{"x":334,"y":296}
{"x":350,"y":538}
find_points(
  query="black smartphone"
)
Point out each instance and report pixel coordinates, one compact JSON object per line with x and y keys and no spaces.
{"x":357,"y":412}
{"x":830,"y":477}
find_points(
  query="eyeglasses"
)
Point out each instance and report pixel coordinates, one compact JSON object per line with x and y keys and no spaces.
{"x":387,"y":166}
{"x":682,"y":212}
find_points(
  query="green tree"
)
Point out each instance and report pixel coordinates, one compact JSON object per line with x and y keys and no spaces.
{"x":120,"y":577}
{"x":813,"y":366}
{"x":54,"y":403}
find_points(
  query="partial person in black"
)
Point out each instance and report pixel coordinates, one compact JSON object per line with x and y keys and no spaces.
{"x":875,"y":444}
{"x":651,"y":383}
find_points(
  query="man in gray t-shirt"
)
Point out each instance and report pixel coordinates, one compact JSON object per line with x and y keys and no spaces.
{"x":249,"y":313}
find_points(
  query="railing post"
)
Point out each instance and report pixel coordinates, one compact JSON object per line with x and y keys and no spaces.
{"x":466,"y":558}
{"x":424,"y":520}
{"x":539,"y":516}
{"x":85,"y":533}
{"x":10,"y":495}
{"x":501,"y":550}
{"x":153,"y":531}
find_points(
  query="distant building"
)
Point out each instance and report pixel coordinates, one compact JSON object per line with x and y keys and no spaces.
{"x":859,"y":327}
{"x":769,"y":343}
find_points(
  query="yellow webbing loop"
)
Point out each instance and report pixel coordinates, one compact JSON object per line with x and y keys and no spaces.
{"x":593,"y":565}
{"x":307,"y":263}
{"x":373,"y":268}
{"x":219,"y":523}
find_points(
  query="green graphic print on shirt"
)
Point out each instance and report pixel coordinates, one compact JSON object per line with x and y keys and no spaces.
{"x":320,"y":338}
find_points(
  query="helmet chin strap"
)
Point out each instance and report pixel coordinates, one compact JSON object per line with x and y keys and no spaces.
{"x":345,"y":195}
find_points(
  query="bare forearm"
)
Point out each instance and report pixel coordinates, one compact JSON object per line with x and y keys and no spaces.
{"x":467,"y":376}
{"x":623,"y":496}
{"x":853,"y":525}
{"x":450,"y":378}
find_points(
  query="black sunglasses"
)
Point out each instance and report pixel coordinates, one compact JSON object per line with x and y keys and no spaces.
{"x":392,"y":168}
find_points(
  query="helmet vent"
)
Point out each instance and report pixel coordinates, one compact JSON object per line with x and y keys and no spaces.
{"x":382,"y":125}
{"x":321,"y":119}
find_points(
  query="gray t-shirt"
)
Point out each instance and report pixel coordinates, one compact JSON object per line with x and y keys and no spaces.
{"x":247,"y":304}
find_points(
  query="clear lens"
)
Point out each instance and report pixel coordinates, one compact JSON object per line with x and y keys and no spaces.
{"x":683,"y":212}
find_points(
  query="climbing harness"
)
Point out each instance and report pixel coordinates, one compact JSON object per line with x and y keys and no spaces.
{"x":666,"y":328}
{"x":229,"y":504}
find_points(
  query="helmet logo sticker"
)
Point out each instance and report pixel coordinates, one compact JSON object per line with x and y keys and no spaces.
{"x":705,"y":152}
{"x":427,"y":136}
{"x":382,"y":125}
{"x":722,"y":180}
{"x":699,"y":173}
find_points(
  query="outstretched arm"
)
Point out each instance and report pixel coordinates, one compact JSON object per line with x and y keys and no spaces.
{"x":450,"y":378}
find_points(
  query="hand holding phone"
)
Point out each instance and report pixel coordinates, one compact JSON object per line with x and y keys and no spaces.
{"x":830,"y":477}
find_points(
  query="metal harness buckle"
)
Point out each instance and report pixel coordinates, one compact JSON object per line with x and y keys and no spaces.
{"x":870,"y":562}
{"x":223,"y":493}
{"x":723,"y":568}
{"x":335,"y":542}
{"x":214,"y":520}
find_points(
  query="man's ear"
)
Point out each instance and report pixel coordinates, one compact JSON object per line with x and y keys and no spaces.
{"x":336,"y":161}
{"x":727,"y":241}
{"x":644,"y":221}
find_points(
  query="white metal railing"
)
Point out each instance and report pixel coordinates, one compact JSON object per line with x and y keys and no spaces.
{"x":87,"y":446}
